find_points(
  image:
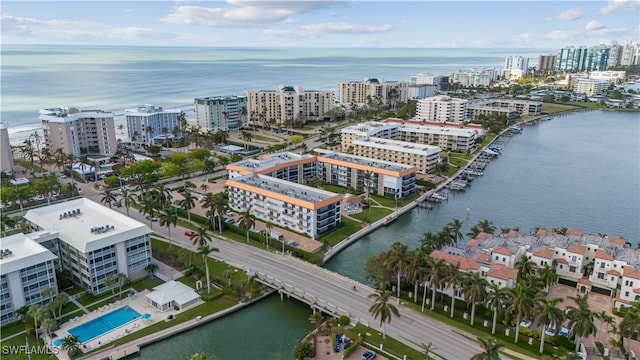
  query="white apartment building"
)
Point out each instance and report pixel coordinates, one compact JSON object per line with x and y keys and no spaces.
{"x":547,"y":63}
{"x":522,"y":107}
{"x":79,"y":132}
{"x":474,"y":77}
{"x":226,"y":113}
{"x":27,"y":269}
{"x":516,"y":62}
{"x":427,"y":79}
{"x":442,"y":109}
{"x":385,"y":178}
{"x":590,"y":87}
{"x":94,"y":241}
{"x":288,"y":105}
{"x":421,"y":91}
{"x":423,"y":157}
{"x":373,"y":90}
{"x":445,"y":137}
{"x":298,"y":207}
{"x":148,"y":124}
{"x":6,"y":154}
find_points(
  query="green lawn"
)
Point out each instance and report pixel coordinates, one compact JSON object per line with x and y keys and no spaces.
{"x":372,"y":214}
{"x":338,"y":189}
{"x":550,"y":108}
{"x":347,"y":228}
{"x":89,"y":298}
{"x":100,"y":304}
{"x":265,"y":138}
{"x":391,"y":203}
{"x":11,"y":328}
{"x":146,"y":283}
{"x":21,"y":341}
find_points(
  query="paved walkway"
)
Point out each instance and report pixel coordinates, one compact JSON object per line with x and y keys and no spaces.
{"x":80,"y":306}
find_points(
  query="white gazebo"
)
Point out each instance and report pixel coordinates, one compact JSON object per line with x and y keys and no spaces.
{"x":170,"y":294}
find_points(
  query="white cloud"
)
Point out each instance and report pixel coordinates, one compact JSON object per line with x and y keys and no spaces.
{"x":129,"y":10}
{"x":620,"y":5}
{"x":311,"y":31}
{"x":244,"y":13}
{"x":139,"y":33}
{"x":569,"y":14}
{"x":594,"y":25}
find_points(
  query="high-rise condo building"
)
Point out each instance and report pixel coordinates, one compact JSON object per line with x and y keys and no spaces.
{"x":288,"y":105}
{"x":373,"y":91}
{"x":79,"y":132}
{"x":149,"y":124}
{"x":442,"y":109}
{"x":516,"y":62}
{"x":27,"y":269}
{"x":226,"y":113}
{"x":6,"y":154}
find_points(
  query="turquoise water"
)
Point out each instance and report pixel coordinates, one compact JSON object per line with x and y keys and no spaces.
{"x":105,"y":323}
{"x":172,"y":77}
{"x":58,"y":342}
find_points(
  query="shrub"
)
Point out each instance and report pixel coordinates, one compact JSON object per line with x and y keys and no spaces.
{"x":212,"y":297}
{"x":356,"y":344}
{"x":188,"y":272}
{"x":530,"y":333}
{"x":600,"y":347}
{"x":344,"y":320}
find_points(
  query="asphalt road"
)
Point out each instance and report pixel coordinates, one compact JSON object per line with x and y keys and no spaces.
{"x":411,"y":327}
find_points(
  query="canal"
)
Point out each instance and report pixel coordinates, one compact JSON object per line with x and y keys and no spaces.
{"x":580,"y":171}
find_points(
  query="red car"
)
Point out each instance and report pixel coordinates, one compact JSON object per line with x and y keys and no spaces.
{"x":190,"y":233}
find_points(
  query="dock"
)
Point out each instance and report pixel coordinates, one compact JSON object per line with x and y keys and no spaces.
{"x":122,"y":353}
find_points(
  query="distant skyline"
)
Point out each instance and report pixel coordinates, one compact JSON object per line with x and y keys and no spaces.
{"x":301,"y":23}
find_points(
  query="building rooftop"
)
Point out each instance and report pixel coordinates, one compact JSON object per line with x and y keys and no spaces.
{"x":21,"y":251}
{"x":363,"y":161}
{"x":269,"y":161}
{"x":87,"y":225}
{"x":395,"y":145}
{"x":70,"y":114}
{"x":290,"y":190}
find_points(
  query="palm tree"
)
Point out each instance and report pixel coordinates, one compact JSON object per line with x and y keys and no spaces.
{"x":383,"y":308}
{"x":428,"y":348}
{"x":151,"y":269}
{"x":71,"y":343}
{"x":521,"y":301}
{"x":454,"y":227}
{"x":452,"y":277}
{"x":268,"y":228}
{"x":497,"y":297}
{"x":547,"y":314}
{"x":316,"y":319}
{"x":221,"y":205}
{"x":49,"y":292}
{"x":108,"y":197}
{"x":605,"y":318}
{"x":247,"y":137}
{"x":201,"y":237}
{"x":149,"y":207}
{"x":436,"y":271}
{"x":474,"y":288}
{"x":581,"y":318}
{"x":416,"y":270}
{"x":121,"y":280}
{"x":491,"y":350}
{"x":188,"y":203}
{"x":162,"y":193}
{"x":205,"y":251}
{"x":247,"y":221}
{"x":397,"y":262}
{"x":525,"y":267}
{"x":486,"y":226}
{"x":37,"y":314}
{"x":548,"y":275}
{"x":49,"y":324}
{"x":129,"y":199}
{"x":60,"y":301}
{"x":169,"y":218}
{"x":110,"y":281}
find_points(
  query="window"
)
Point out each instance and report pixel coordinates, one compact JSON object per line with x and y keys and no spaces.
{"x":600,"y":275}
{"x":572,"y":268}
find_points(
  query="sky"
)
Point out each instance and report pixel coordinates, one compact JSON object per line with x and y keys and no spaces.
{"x":302,"y":23}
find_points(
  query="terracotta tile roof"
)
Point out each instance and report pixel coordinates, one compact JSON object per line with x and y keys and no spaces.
{"x":601,"y":254}
{"x":636,"y":290}
{"x":613,"y":272}
{"x":482,"y":256}
{"x":584,"y":281}
{"x":502,"y":272}
{"x":473,"y":243}
{"x":465,"y":263}
{"x":502,"y":251}
{"x":513,"y":233}
{"x":562,"y":261}
{"x":632,"y":274}
{"x":544,"y":253}
{"x":574,"y":232}
{"x":617,"y":240}
{"x":577,"y":249}
{"x":484,"y":235}
{"x":627,"y":269}
{"x":544,"y":232}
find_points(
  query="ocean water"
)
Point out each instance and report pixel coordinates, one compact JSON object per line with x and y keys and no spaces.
{"x":115,"y":78}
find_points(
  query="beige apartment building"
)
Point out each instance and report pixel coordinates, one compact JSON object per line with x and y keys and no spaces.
{"x":6,"y":154}
{"x":442,"y":109}
{"x":424,"y":157}
{"x":372,"y":90}
{"x":79,"y":132}
{"x":287,"y":105}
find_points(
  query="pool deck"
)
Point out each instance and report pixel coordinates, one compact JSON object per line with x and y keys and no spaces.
{"x":137,"y":303}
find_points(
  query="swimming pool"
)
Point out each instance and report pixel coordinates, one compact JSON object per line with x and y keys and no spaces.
{"x":58,"y":342}
{"x":105,"y":323}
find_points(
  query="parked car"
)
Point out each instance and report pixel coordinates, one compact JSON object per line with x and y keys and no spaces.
{"x":189,"y":233}
{"x":564,"y":331}
{"x":203,"y":198}
{"x":525,"y":324}
{"x":63,"y":176}
{"x":368,"y":355}
{"x":152,"y":218}
{"x":126,"y":187}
